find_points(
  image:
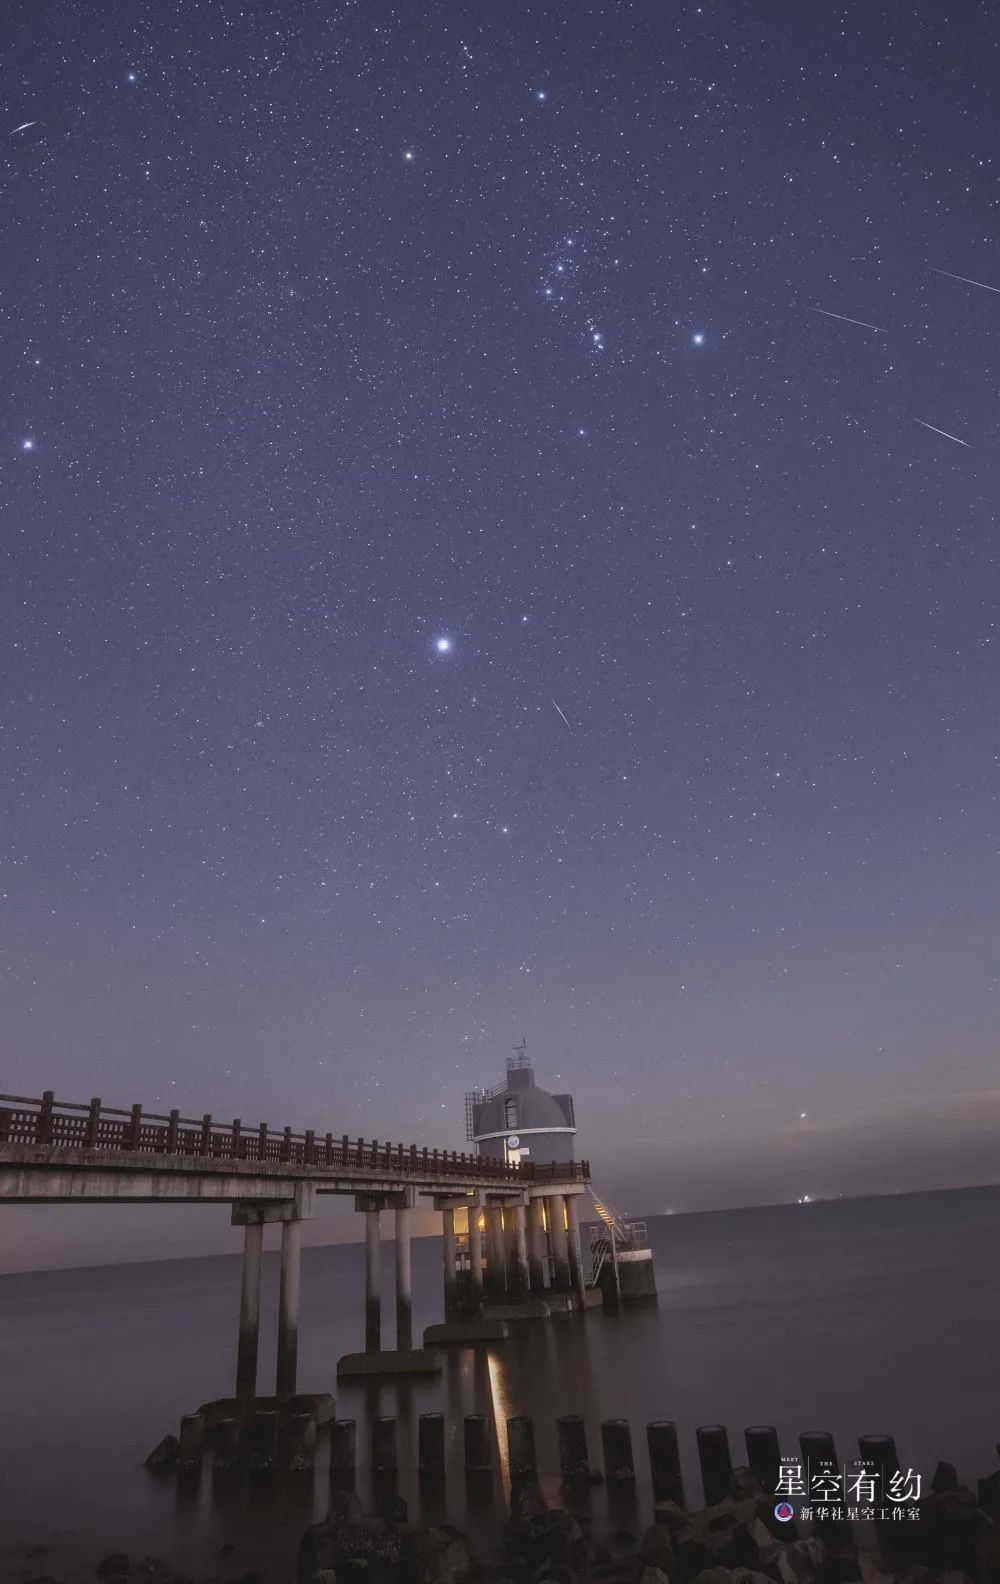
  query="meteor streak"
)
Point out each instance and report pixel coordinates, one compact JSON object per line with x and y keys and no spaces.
{"x":943,"y":432}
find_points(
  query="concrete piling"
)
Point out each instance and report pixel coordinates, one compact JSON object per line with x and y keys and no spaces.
{"x":518,"y":1271}
{"x":404,"y":1293}
{"x":562,"y":1275}
{"x":665,"y":1461}
{"x":288,"y":1308}
{"x":450,"y":1263}
{"x":764,"y":1455}
{"x":430,"y":1447}
{"x":343,"y":1445}
{"x":475,"y":1260}
{"x":495,"y":1275}
{"x":373,"y":1281}
{"x":522,"y":1460}
{"x":536,"y":1246}
{"x":384,"y":1456}
{"x":225,"y":1446}
{"x":246,"y":1357}
{"x":191,"y":1442}
{"x":574,"y":1463}
{"x":262,"y":1439}
{"x":300,"y":1440}
{"x":478,"y":1446}
{"x":716,"y":1464}
{"x":616,"y":1444}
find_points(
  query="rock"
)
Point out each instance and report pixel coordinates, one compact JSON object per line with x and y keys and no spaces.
{"x":945,"y":1477}
{"x":356,"y":1549}
{"x":544,"y":1537}
{"x":554,"y":1573}
{"x":117,"y":1565}
{"x":744,"y":1485}
{"x":153,"y":1567}
{"x":671,"y":1516}
{"x":653,"y":1575}
{"x":163,"y":1458}
{"x":347,"y":1508}
{"x":433,"y":1556}
{"x":988,"y":1491}
{"x":657,"y":1550}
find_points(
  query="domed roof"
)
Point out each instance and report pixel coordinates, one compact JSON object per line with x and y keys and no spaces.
{"x":520,"y":1106}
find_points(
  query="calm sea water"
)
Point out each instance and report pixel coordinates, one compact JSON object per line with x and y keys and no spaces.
{"x":854,"y":1316}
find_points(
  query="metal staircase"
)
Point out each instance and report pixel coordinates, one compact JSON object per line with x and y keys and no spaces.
{"x":611,"y":1233}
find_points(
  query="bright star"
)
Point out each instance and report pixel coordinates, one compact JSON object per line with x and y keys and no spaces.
{"x":27,"y":445}
{"x":443,"y":645}
{"x":698,"y":338}
{"x":408,"y":154}
{"x":541,"y":94}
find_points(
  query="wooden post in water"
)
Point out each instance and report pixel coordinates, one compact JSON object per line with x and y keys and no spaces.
{"x":616,"y":1441}
{"x":384,"y":1457}
{"x":522,"y":1460}
{"x":665,"y":1461}
{"x":764,"y":1455}
{"x":343,"y":1442}
{"x":430,"y":1447}
{"x":571,"y":1432}
{"x":716,"y":1464}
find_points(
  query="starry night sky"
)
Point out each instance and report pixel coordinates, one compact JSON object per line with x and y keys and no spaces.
{"x":459,"y":583}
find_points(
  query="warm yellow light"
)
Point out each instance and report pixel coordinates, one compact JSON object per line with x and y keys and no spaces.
{"x":482,"y":1220}
{"x":565,"y":1215}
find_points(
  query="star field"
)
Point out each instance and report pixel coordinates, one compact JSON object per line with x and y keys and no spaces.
{"x":379,"y":378}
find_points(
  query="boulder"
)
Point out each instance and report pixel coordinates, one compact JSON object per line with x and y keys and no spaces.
{"x":553,"y":1536}
{"x":653,"y":1575}
{"x":163,"y":1458}
{"x":363,"y":1549}
{"x":744,"y":1485}
{"x":657,"y":1549}
{"x":434,"y":1556}
{"x":117,"y":1565}
{"x":671,"y":1515}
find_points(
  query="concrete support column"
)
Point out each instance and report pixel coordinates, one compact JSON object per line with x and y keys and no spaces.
{"x":561,"y":1275}
{"x":246,"y":1357}
{"x":518,"y":1281}
{"x":373,"y":1282}
{"x":288,"y":1308}
{"x":450,"y":1264}
{"x":475,"y":1260}
{"x":576,"y":1268}
{"x":404,"y":1293}
{"x":536,"y":1246}
{"x":495,"y":1276}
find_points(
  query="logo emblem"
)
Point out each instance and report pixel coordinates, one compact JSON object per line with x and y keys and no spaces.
{"x":784,"y":1512}
{"x":513,"y":1141}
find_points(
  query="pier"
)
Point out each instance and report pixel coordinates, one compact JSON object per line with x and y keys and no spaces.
{"x":510,"y":1230}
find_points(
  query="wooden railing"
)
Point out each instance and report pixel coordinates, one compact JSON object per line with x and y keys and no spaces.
{"x":104,"y":1128}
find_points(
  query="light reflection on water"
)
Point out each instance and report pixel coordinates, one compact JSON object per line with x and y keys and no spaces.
{"x":827,"y":1318}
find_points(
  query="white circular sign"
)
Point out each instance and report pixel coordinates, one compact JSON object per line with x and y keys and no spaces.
{"x":513,"y":1141}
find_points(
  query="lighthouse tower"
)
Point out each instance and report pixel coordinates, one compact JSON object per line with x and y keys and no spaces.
{"x":517,"y":1121}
